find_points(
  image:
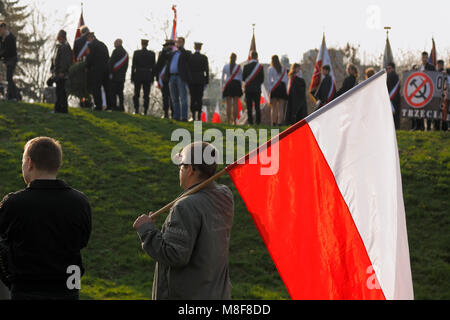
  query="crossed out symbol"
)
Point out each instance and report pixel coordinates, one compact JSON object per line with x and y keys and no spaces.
{"x":418,"y":90}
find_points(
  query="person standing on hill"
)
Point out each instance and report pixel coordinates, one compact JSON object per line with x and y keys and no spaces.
{"x":142,"y":75}
{"x":97,"y":66}
{"x":192,"y":249}
{"x":118,"y":66}
{"x":61,"y":63}
{"x":253,"y":76}
{"x":232,"y":88}
{"x":350,"y":81}
{"x":296,"y":107}
{"x":179,"y":75}
{"x":161,"y":76}
{"x":393,"y":85}
{"x":8,"y":54}
{"x":199,"y":66}
{"x":44,"y":228}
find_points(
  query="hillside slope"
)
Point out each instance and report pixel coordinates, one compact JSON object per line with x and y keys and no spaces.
{"x":122,"y":163}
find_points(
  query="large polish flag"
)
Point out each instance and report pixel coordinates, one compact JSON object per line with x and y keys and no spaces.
{"x":332,"y":215}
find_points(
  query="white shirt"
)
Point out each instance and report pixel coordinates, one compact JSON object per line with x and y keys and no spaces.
{"x":226,"y":74}
{"x":274,"y":77}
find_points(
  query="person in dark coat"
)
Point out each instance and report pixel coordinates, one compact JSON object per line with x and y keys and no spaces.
{"x":199,"y":66}
{"x":419,"y":124}
{"x":179,"y":75}
{"x":162,"y":79}
{"x":296,"y":107}
{"x":321,"y":95}
{"x":142,"y":75}
{"x":394,"y":86}
{"x":98,"y":75}
{"x":350,"y":81}
{"x":79,"y":46}
{"x":253,"y":75}
{"x":45,"y":227}
{"x":61,"y":63}
{"x":118,"y":66}
{"x":8,"y":54}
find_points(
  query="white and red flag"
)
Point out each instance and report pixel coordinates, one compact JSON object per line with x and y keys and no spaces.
{"x":323,"y":58}
{"x":173,"y":35}
{"x":216,"y":115}
{"x":334,"y":226}
{"x":84,"y":49}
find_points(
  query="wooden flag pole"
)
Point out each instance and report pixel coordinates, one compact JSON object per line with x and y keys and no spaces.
{"x":192,"y":191}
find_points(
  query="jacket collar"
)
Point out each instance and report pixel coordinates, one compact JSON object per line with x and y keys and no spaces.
{"x":48,"y":184}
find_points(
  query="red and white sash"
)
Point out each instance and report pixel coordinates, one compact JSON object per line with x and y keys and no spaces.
{"x":83,"y":51}
{"x":283,"y":73}
{"x":119,"y":64}
{"x":258,"y":67}
{"x":160,"y":78}
{"x":393,"y":94}
{"x":235,"y":73}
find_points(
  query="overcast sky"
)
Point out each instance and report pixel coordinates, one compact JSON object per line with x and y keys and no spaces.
{"x":282,"y":27}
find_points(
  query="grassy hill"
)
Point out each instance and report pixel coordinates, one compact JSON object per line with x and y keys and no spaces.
{"x":122,"y":163}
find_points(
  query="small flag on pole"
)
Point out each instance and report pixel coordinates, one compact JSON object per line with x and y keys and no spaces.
{"x":204,"y":115}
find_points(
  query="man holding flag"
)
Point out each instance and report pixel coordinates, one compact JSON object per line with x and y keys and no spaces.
{"x":323,"y":83}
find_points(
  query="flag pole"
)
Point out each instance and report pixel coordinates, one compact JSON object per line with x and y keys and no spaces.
{"x":190,"y":192}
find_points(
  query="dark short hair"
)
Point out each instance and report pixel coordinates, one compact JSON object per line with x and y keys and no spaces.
{"x":425,"y":53}
{"x":45,"y":152}
{"x":254,"y":54}
{"x":326,"y":67}
{"x":206,"y":170}
{"x":3,"y":24}
{"x":63,"y":34}
{"x":391,"y":64}
{"x":440,"y":62}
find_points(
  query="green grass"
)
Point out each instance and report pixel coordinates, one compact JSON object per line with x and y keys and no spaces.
{"x":122,"y":163}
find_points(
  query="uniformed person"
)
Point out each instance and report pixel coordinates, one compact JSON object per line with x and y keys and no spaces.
{"x":142,"y":74}
{"x":118,"y":66}
{"x":199,"y":66}
{"x":61,"y":63}
{"x":97,"y":66}
{"x":253,"y":76}
{"x":161,"y":76}
{"x":393,"y":85}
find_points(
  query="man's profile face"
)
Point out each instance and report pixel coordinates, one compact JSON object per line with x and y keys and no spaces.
{"x":180,"y":43}
{"x":389,"y":69}
{"x":325,"y":72}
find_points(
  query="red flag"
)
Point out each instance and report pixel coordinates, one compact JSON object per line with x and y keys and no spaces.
{"x":204,"y":115}
{"x":80,"y":24}
{"x":335,"y":224}
{"x":173,"y":35}
{"x":216,"y":116}
{"x":239,"y":115}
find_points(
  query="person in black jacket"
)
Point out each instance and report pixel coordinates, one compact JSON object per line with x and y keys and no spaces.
{"x":45,"y":226}
{"x":350,"y":81}
{"x":61,"y":63}
{"x":80,"y":45}
{"x":118,"y":66}
{"x":179,"y":76}
{"x":162,"y":80}
{"x":253,"y":75}
{"x":98,"y":75}
{"x":8,"y":54}
{"x":296,"y":107}
{"x":322,"y":93}
{"x":394,"y":86}
{"x":142,"y":75}
{"x":199,"y":66}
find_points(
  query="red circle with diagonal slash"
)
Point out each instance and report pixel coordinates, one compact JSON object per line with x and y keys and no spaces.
{"x":409,"y":96}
